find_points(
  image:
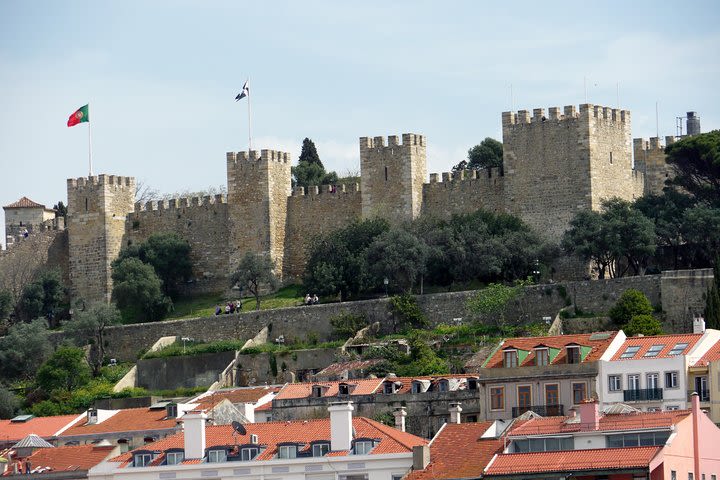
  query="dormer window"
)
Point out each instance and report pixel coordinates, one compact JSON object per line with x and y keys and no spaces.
{"x":389,"y":388}
{"x":287,"y":451}
{"x":248,"y":453}
{"x":416,"y":387}
{"x":573,"y":354}
{"x":362,"y":446}
{"x":343,"y":389}
{"x":217,"y":456}
{"x":171,"y":410}
{"x":678,"y":349}
{"x":443,"y":385}
{"x":472,"y":384}
{"x":92,"y":416}
{"x":320,"y":449}
{"x":175,"y":457}
{"x":510,"y":358}
{"x":317,"y":391}
{"x":542,"y":356}
{"x":142,"y":459}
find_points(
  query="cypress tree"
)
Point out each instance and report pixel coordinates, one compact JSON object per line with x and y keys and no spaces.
{"x":309,"y":153}
{"x":712,"y":305}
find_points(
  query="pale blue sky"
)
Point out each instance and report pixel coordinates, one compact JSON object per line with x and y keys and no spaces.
{"x":161,"y":77}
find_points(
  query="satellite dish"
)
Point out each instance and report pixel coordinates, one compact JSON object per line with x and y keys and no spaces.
{"x":239,"y":428}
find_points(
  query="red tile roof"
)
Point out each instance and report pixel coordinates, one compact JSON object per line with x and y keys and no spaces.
{"x":303,"y":390}
{"x":453,"y":446}
{"x":668,"y":342}
{"x":236,"y":395}
{"x":338,"y":368}
{"x":44,"y":427}
{"x":24,"y":202}
{"x":599,"y":342}
{"x":572,"y":460}
{"x":615,"y":422}
{"x":302,"y":431}
{"x":82,"y":457}
{"x":711,"y":355}
{"x":126,"y":420}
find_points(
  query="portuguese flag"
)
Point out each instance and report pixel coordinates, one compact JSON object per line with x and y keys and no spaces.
{"x":81,"y":115}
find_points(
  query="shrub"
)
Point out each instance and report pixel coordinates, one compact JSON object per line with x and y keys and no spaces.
{"x":347,"y":324}
{"x":407,"y":313}
{"x":643,"y":324}
{"x":632,"y":302}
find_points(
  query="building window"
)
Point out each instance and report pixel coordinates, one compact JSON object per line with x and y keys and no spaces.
{"x":497,"y":398}
{"x":690,"y":476}
{"x":389,"y":388}
{"x":443,"y":386}
{"x":174,"y":458}
{"x":653,"y":381}
{"x":552,"y":394}
{"x":471,"y":419}
{"x":573,"y":354}
{"x":416,"y":387}
{"x":646,"y":439}
{"x":142,"y":459}
{"x":472,"y":384}
{"x":362,"y":447}
{"x":543,"y":445}
{"x":171,"y":410}
{"x":614,"y":383}
{"x":654,"y":351}
{"x":542,"y":356}
{"x":673,"y":407}
{"x":524,"y":396}
{"x":287,"y":451}
{"x":124,"y":445}
{"x":217,"y":456}
{"x":673,"y":475}
{"x":511,"y":358}
{"x":317,"y":391}
{"x":630,"y":351}
{"x":320,"y":449}
{"x":248,"y":453}
{"x":671,"y":379}
{"x":633,"y":382}
{"x":343,"y":389}
{"x":610,"y":158}
{"x":579,"y":392}
{"x":678,"y":349}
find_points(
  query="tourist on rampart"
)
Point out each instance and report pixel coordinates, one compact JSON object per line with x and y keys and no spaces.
{"x":218,"y":310}
{"x":315,"y":299}
{"x":308,"y":299}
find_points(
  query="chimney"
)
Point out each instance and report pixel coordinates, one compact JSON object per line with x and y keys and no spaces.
{"x":698,"y":325}
{"x":194,"y":426}
{"x":421,"y":457}
{"x":695,"y":401}
{"x":455,"y":410}
{"x":400,"y":415}
{"x":589,"y":415}
{"x":341,"y":430}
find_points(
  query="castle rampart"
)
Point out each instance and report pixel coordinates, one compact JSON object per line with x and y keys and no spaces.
{"x":650,"y":159}
{"x":464,"y":192}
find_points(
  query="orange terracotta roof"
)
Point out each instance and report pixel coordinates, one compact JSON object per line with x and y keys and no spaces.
{"x":126,"y":420}
{"x":711,"y":355}
{"x":528,"y":344}
{"x":44,"y":427}
{"x":668,"y":342}
{"x":572,"y":460}
{"x":81,"y":457}
{"x":453,"y":446}
{"x":615,"y":422}
{"x":302,"y":431}
{"x":236,"y":395}
{"x":338,"y":368}
{"x":303,"y":390}
{"x":25,"y":202}
{"x":265,"y":407}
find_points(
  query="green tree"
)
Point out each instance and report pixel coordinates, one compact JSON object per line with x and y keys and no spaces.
{"x":309,"y":154}
{"x":9,"y":403}
{"x":23,"y":349}
{"x":632,"y":302}
{"x":88,"y":328}
{"x":137,"y":290}
{"x":310,"y":170}
{"x":422,"y":360}
{"x":399,"y":256}
{"x":696,"y":164}
{"x":253,"y":273}
{"x":488,"y":154}
{"x":406,"y":313}
{"x":65,"y":370}
{"x":6,"y":304}
{"x":701,"y":232}
{"x":42,"y":297}
{"x":347,"y":324}
{"x":492,"y":301}
{"x":712,"y":300}
{"x":61,"y":209}
{"x":643,"y":324}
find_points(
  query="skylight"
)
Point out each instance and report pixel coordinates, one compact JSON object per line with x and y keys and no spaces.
{"x":654,"y":351}
{"x":630,"y":352}
{"x":678,"y":349}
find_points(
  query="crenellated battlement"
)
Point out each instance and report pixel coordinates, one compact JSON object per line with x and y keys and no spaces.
{"x":102,"y":179}
{"x":182,"y":202}
{"x":463,"y":175}
{"x":313,"y":190}
{"x":569,"y":112}
{"x":233,"y":158}
{"x":408,"y":140}
{"x":653,"y":143}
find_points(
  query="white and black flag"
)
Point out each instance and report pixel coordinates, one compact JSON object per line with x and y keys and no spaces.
{"x":245,"y":91}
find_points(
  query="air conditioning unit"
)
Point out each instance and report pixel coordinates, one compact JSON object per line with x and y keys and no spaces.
{"x":253,"y":439}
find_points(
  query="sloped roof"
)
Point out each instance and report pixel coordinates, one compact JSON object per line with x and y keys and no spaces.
{"x":303,"y":390}
{"x":81,"y":457}
{"x":612,"y":422}
{"x":25,"y":202}
{"x":667,"y":341}
{"x":235,"y":395}
{"x":597,"y":342}
{"x":572,"y":460}
{"x":302,"y":432}
{"x":712,"y":355}
{"x":338,"y":368}
{"x":45,"y":427}
{"x":126,"y":420}
{"x":33,"y":441}
{"x":453,"y":446}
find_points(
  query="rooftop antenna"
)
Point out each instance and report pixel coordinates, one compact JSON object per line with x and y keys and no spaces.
{"x":678,"y":126}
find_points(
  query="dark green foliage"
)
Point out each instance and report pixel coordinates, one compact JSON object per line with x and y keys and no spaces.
{"x":169,"y":255}
{"x":712,"y":301}
{"x":632,"y":302}
{"x":399,"y":256}
{"x":6,"y":304}
{"x":643,"y":324}
{"x":488,"y":154}
{"x":701,"y":232}
{"x":254,"y":273}
{"x":492,"y":301}
{"x":273,"y":365}
{"x":137,"y":290}
{"x":310,"y":170}
{"x":61,"y":209}
{"x":42,"y":297}
{"x":193,"y":348}
{"x":23,"y":349}
{"x":9,"y":404}
{"x":347,"y":324}
{"x":88,"y":328}
{"x":65,"y":370}
{"x":696,"y":162}
{"x":308,"y":153}
{"x":406,"y":313}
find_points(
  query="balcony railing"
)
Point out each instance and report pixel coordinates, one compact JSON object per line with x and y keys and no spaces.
{"x":641,"y":394}
{"x":703,"y":394}
{"x":542,"y":410}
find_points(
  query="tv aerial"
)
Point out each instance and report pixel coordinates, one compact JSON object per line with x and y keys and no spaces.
{"x":239,"y":427}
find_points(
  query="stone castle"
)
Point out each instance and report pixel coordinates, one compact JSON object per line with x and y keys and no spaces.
{"x":555,"y":164}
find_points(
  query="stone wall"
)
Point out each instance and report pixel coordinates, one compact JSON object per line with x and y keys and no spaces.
{"x":257,"y":369}
{"x":650,"y":159}
{"x":203,"y":222}
{"x":464,"y":192}
{"x":183,"y":371}
{"x":319,"y":211}
{"x":684,"y":295}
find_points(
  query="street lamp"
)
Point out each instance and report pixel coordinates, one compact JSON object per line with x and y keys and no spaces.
{"x":385,"y":282}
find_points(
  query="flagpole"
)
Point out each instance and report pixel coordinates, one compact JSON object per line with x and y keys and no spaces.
{"x":249,"y":129}
{"x":89,"y":143}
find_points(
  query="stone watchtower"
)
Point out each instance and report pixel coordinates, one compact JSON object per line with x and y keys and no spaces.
{"x":258,"y":189}
{"x":392,"y":177}
{"x":560,"y":163}
{"x":650,"y":160}
{"x":97,"y":210}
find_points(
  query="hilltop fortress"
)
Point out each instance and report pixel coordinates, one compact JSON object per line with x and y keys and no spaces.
{"x":555,"y":164}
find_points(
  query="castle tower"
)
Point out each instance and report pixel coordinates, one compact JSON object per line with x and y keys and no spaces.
{"x":560,"y":163}
{"x":650,"y":160}
{"x":392,"y":177}
{"x":97,"y":210}
{"x":258,"y":189}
